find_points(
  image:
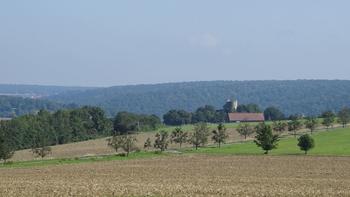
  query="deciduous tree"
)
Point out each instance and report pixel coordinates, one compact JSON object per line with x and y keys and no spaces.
{"x":162,"y":140}
{"x":245,"y":129}
{"x":200,"y":135}
{"x":344,"y":116}
{"x":265,"y":139}
{"x":311,"y":123}
{"x":178,"y":136}
{"x":220,"y":135}
{"x":306,"y":142}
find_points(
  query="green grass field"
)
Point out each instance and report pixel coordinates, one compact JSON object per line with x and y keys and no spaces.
{"x":45,"y":162}
{"x":334,"y":142}
{"x":331,"y":143}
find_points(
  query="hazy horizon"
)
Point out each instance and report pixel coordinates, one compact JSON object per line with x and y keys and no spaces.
{"x":109,"y":43}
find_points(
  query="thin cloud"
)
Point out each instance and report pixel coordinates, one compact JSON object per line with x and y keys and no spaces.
{"x":206,"y":40}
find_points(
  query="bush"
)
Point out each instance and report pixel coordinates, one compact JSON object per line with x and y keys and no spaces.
{"x":306,"y":142}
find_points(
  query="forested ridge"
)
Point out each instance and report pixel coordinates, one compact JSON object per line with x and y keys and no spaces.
{"x":11,"y":106}
{"x":309,"y":97}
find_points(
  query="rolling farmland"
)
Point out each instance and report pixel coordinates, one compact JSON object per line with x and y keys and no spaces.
{"x":190,"y":175}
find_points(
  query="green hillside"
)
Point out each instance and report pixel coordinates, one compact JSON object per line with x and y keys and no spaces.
{"x":15,"y":106}
{"x":333,"y":142}
{"x":309,"y":97}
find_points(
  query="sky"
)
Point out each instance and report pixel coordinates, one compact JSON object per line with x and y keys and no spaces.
{"x":109,"y":42}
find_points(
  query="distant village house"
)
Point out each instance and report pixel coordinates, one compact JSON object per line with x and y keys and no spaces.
{"x":246,"y":117}
{"x":243,"y":116}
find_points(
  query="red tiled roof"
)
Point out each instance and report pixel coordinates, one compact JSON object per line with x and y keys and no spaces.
{"x":246,"y":117}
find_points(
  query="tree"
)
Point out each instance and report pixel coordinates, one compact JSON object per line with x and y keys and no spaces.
{"x":116,"y":142}
{"x":6,"y":150}
{"x":306,"y":142}
{"x":161,"y":142}
{"x":344,"y":116}
{"x":200,"y":135}
{"x":177,"y":117}
{"x":42,"y":135}
{"x":294,"y":125}
{"x":129,"y":143}
{"x":279,"y":126}
{"x":126,"y":142}
{"x":219,"y":135}
{"x":147,"y":144}
{"x":126,"y":122}
{"x":6,"y":143}
{"x":265,"y":139}
{"x":328,"y":119}
{"x":273,"y":113}
{"x":311,"y":123}
{"x":245,"y":129}
{"x":205,"y":114}
{"x":178,"y":136}
{"x":249,"y":108}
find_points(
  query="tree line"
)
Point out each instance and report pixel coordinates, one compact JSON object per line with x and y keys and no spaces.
{"x":209,"y":114}
{"x":43,"y":129}
{"x":265,"y":138}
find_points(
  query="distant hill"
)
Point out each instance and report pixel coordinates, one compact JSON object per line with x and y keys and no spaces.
{"x":308,"y":97}
{"x":36,"y":91}
{"x":15,"y":106}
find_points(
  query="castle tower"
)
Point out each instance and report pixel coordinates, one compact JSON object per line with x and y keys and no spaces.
{"x":235,"y":105}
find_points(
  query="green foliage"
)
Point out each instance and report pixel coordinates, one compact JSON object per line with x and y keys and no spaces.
{"x":265,"y":139}
{"x":147,"y":144}
{"x":306,"y":142}
{"x":328,"y":119}
{"x":177,"y":117}
{"x":115,"y":142}
{"x":205,"y":114}
{"x":200,"y":135}
{"x":273,"y":113}
{"x":309,"y":97}
{"x":126,"y":142}
{"x":11,"y":106}
{"x":245,"y":129}
{"x":294,"y":125}
{"x":220,"y":135}
{"x":249,"y":108}
{"x":162,"y":141}
{"x":311,"y":123}
{"x":344,"y":116}
{"x":126,"y":122}
{"x":279,"y":126}
{"x":64,"y":126}
{"x":129,"y":144}
{"x":178,"y":136}
{"x":6,"y":149}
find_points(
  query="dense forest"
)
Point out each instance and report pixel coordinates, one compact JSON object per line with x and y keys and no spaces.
{"x":11,"y":106}
{"x":60,"y":127}
{"x":43,"y":129}
{"x":308,"y":97}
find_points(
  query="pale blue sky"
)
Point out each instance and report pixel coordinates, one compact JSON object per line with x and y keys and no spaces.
{"x":112,"y":42}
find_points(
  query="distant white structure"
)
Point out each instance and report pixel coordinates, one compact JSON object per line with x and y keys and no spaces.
{"x":235,"y":105}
